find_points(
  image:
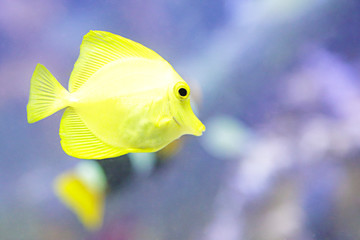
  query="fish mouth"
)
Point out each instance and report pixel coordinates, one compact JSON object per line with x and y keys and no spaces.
{"x":193,"y":125}
{"x":186,"y":119}
{"x":199,"y":129}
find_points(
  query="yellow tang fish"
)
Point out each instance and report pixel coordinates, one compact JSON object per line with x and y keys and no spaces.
{"x":123,"y":97}
{"x":83,"y":191}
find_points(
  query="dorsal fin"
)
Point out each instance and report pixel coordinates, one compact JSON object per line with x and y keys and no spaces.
{"x":99,"y":48}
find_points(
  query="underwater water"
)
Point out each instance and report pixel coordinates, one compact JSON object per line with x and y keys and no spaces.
{"x":275,"y":82}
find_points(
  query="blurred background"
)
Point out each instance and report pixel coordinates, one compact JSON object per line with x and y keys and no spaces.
{"x":277,"y":84}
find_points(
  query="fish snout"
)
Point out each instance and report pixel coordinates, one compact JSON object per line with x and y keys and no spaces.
{"x":199,"y":129}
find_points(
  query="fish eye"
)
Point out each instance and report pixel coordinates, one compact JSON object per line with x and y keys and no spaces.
{"x":181,"y":90}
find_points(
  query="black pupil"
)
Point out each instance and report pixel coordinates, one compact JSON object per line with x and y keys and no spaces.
{"x":182,"y":92}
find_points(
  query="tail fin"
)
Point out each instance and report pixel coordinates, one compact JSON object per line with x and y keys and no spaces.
{"x":47,"y":96}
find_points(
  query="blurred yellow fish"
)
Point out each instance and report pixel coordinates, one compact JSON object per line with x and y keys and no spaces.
{"x":123,"y":97}
{"x":83,"y":190}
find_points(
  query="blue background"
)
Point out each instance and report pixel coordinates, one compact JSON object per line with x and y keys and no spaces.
{"x":277,"y":86}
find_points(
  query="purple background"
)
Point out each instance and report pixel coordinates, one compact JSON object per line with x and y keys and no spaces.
{"x":280,"y":98}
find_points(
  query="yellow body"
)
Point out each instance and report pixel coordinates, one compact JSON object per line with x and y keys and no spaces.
{"x":123,"y":97}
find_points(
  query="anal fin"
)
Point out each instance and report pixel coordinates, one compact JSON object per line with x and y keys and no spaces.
{"x":78,"y":141}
